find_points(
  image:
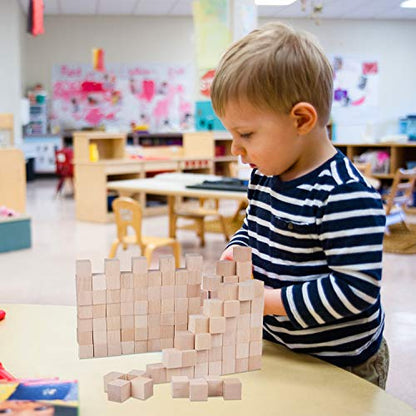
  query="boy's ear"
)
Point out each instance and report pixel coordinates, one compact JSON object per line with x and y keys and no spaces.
{"x":305,"y":117}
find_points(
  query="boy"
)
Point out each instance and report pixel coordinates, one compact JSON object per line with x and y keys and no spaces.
{"x":314,"y":224}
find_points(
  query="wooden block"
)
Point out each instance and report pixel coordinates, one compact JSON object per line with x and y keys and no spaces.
{"x":198,"y":389}
{"x":126,"y":280}
{"x":113,"y":350}
{"x":84,"y":337}
{"x":154,"y":306}
{"x":83,"y":275}
{"x":140,"y":334}
{"x":141,"y":307}
{"x":225,"y":268}
{"x":167,"y":263}
{"x":242,"y":350}
{"x":217,"y":325}
{"x":113,"y":323}
{"x":254,"y":363}
{"x":194,"y":306}
{"x":256,"y":333}
{"x":202,"y":356}
{"x":245,"y":307}
{"x":232,"y":389}
{"x":181,"y":318}
{"x":195,"y":277}
{"x":243,"y":321}
{"x":127,"y":308}
{"x":141,"y":321}
{"x":127,"y":321}
{"x":244,"y":270}
{"x":216,"y":340}
{"x":256,"y":348}
{"x":168,"y":278}
{"x":193,"y":291}
{"x":181,"y":327}
{"x":113,"y":375}
{"x":166,"y":343}
{"x":113,"y":309}
{"x":194,"y":261}
{"x":241,"y":253}
{"x":140,"y":280}
{"x":127,"y":347}
{"x":167,"y":331}
{"x":167,"y":292}
{"x":127,"y":334}
{"x":140,"y":346}
{"x":184,"y":340}
{"x":243,"y":335}
{"x":198,"y":324}
{"x":256,"y":320}
{"x":167,"y":306}
{"x":153,"y":319}
{"x":228,"y":353}
{"x":99,"y":297}
{"x":114,"y":336}
{"x":141,"y":387}
{"x":202,"y":341}
{"x":246,"y":290}
{"x":181,"y":277}
{"x":201,"y":370}
{"x":181,"y":291}
{"x":229,"y":338}
{"x":100,"y":350}
{"x":112,"y":273}
{"x":99,"y":324}
{"x":153,"y":345}
{"x":211,"y":282}
{"x":113,"y":295}
{"x":167,"y":319}
{"x":228,"y":291}
{"x":126,"y":295}
{"x":181,"y":305}
{"x":135,"y":373}
{"x":154,"y":293}
{"x":84,"y":325}
{"x":231,"y":308}
{"x":257,"y":306}
{"x":118,"y":390}
{"x":153,"y":332}
{"x":188,"y":358}
{"x":155,"y":278}
{"x":215,"y":368}
{"x":172,"y":372}
{"x":157,"y":372}
{"x":180,"y":387}
{"x":139,"y":265}
{"x":241,"y":365}
{"x":187,"y":372}
{"x":205,"y":294}
{"x":230,"y":279}
{"x":141,"y":293}
{"x":84,"y":297}
{"x":214,"y":386}
{"x":230,"y":325}
{"x":84,"y":312}
{"x":213,"y":307}
{"x":172,"y":358}
{"x":228,"y":366}
{"x":99,"y":311}
{"x":258,"y":288}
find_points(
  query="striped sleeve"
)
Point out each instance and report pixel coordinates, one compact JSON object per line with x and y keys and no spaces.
{"x":350,"y":228}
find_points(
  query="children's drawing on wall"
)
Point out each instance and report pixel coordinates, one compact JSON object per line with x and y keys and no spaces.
{"x":124,"y":95}
{"x":355,"y":90}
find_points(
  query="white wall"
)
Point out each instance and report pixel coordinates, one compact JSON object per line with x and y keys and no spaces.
{"x":152,"y":39}
{"x":10,"y":66}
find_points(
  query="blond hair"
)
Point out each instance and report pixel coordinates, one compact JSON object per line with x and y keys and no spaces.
{"x":274,"y":68}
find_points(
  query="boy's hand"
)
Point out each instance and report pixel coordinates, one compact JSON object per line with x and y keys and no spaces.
{"x":273,"y":304}
{"x":227,"y":254}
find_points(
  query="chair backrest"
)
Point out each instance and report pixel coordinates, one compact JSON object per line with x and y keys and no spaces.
{"x":401,"y":192}
{"x":64,"y":162}
{"x":364,"y":168}
{"x":128,"y":213}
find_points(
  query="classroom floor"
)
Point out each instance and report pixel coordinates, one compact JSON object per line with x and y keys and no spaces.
{"x":45,"y":273}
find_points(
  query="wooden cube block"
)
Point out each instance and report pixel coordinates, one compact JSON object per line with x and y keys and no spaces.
{"x":167,"y":331}
{"x":128,"y":334}
{"x":140,"y":334}
{"x":141,"y":307}
{"x":118,"y":390}
{"x":216,"y":340}
{"x":84,"y":325}
{"x":232,"y":389}
{"x":127,"y":347}
{"x":256,"y":320}
{"x":153,"y":332}
{"x":153,"y":319}
{"x":205,"y":294}
{"x":256,"y":333}
{"x":135,"y":373}
{"x":215,"y":368}
{"x":127,"y":295}
{"x":241,"y":253}
{"x":141,"y":293}
{"x":168,"y":278}
{"x":114,"y":336}
{"x":193,"y":291}
{"x":99,"y":311}
{"x":225,"y":268}
{"x":256,"y":348}
{"x":181,"y":327}
{"x":194,"y":261}
{"x":195,"y":277}
{"x":84,"y":297}
{"x":139,"y":265}
{"x":246,"y":290}
{"x":244,"y":270}
{"x":99,"y":297}
{"x":217,"y":325}
{"x":140,"y":281}
{"x":100,"y":350}
{"x":100,"y":337}
{"x":243,"y":335}
{"x":112,"y":273}
{"x":166,"y":343}
{"x":214,"y":385}
{"x":245,"y":307}
{"x":228,"y":366}
{"x":172,"y":358}
{"x":215,"y":354}
{"x":113,"y":375}
{"x":84,"y":337}
{"x":257,"y":306}
{"x":198,"y":324}
{"x":84,"y":312}
{"x":167,"y":292}
{"x":228,"y":291}
{"x":211,"y":282}
{"x":181,"y":318}
{"x":202,"y":341}
{"x":181,"y":277}
{"x":242,"y":350}
{"x":154,"y":307}
{"x":228,"y":353}
{"x":184,"y":340}
{"x":141,"y":321}
{"x":243,"y":321}
{"x":85,"y":351}
{"x":213,"y":307}
{"x":231,"y":308}
{"x":155,"y":277}
{"x":83,"y":275}
{"x":113,"y":295}
{"x":153,"y":345}
{"x":167,"y":319}
{"x":126,"y":280}
{"x":230,"y":279}
{"x":202,"y":356}
{"x":241,"y":365}
{"x":254,"y":363}
{"x":113,"y":350}
{"x":188,"y":358}
{"x":140,"y":346}
{"x":180,"y":387}
{"x":188,"y":372}
{"x":258,"y":288}
{"x":181,"y":291}
{"x":194,"y":306}
{"x":127,"y":321}
{"x":113,"y":323}
{"x":181,"y":305}
{"x":172,"y":372}
{"x":127,"y":308}
{"x":113,"y":309}
{"x":201,"y":370}
{"x":154,"y":293}
{"x":167,"y":306}
{"x":141,"y":387}
{"x":198,"y":389}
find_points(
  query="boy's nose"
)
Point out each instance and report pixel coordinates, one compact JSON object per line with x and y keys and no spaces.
{"x":236,"y":149}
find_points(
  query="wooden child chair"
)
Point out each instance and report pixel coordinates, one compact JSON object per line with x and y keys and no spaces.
{"x":400,"y":195}
{"x":128,"y":213}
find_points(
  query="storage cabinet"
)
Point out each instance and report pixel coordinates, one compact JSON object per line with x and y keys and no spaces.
{"x":42,"y":149}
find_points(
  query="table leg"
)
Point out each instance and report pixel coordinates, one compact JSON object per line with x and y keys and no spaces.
{"x":171,"y":212}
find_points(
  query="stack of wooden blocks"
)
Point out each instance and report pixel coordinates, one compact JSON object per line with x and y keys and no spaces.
{"x":138,"y":310}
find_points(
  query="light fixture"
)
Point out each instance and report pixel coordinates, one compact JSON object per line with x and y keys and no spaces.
{"x":273,"y":2}
{"x":408,"y":4}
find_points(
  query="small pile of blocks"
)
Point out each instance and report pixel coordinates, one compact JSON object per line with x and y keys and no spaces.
{"x":199,"y":389}
{"x":135,"y":311}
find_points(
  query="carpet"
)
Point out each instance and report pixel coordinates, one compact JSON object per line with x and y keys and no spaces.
{"x":214,"y":226}
{"x":400,"y":240}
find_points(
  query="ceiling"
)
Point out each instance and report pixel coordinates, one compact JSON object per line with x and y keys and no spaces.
{"x":333,"y":9}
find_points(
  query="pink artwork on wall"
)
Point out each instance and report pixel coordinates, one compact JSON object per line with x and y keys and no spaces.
{"x":148,"y":90}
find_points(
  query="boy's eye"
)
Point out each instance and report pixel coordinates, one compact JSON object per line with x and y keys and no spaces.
{"x":245,"y":135}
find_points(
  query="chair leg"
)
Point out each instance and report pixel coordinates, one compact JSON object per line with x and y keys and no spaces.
{"x":148,"y":251}
{"x":113,"y":249}
{"x":224,"y":227}
{"x":177,"y":253}
{"x":201,"y":231}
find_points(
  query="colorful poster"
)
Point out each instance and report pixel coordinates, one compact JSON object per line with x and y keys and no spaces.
{"x":355,"y":90}
{"x":157,"y":95}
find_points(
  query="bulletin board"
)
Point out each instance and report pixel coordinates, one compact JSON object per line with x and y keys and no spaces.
{"x":159,"y":95}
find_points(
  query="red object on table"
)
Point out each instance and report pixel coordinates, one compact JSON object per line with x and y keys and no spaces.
{"x":2,"y":314}
{"x":5,"y":375}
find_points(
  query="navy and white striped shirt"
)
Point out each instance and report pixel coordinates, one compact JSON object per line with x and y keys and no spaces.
{"x":319,"y":238}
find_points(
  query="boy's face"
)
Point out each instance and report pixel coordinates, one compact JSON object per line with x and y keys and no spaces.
{"x":266,"y":140}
